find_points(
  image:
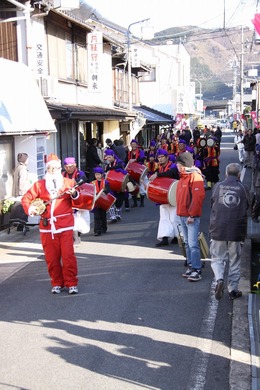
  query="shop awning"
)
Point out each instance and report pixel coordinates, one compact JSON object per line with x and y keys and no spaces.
{"x":153,"y":116}
{"x":22,"y":107}
{"x":88,"y":113}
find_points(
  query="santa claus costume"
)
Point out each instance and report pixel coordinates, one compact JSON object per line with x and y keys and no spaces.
{"x":56,"y":224}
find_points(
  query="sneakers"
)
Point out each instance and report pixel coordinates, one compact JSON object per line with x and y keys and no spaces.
{"x":195,"y":276}
{"x":187,"y":273}
{"x":73,"y":290}
{"x":235,"y":294}
{"x":219,"y":289}
{"x":56,"y":290}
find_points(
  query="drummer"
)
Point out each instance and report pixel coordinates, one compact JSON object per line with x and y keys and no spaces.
{"x":168,"y":219}
{"x":72,"y":172}
{"x":152,"y":165}
{"x":136,"y":155}
{"x":114,"y":163}
{"x":100,"y":215}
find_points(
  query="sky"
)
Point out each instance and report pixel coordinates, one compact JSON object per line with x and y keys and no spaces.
{"x":172,"y":13}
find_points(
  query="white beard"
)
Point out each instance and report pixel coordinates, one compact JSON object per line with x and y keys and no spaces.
{"x":54,"y":182}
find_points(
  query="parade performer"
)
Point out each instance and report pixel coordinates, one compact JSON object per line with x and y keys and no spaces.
{"x":136,"y":154}
{"x":56,"y":224}
{"x":211,"y":163}
{"x":100,"y":215}
{"x":152,"y":165}
{"x":72,"y":172}
{"x":114,"y":163}
{"x":168,"y":222}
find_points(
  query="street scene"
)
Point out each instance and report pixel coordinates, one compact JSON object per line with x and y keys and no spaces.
{"x":136,"y":323}
{"x":129,"y":195}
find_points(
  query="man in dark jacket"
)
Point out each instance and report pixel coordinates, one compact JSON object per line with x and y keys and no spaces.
{"x":249,"y":141}
{"x":228,"y":227}
{"x":92,"y":159}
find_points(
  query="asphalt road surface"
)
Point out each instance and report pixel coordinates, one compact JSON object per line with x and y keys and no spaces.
{"x":135,"y":324}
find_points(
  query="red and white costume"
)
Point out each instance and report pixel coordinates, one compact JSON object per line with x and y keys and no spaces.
{"x":57,"y":236}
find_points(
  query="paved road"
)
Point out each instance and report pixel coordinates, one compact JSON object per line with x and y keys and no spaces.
{"x":136,"y":323}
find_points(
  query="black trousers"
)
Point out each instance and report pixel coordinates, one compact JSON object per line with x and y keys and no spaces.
{"x":100,"y":220}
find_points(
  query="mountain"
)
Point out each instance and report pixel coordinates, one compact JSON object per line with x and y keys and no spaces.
{"x":215,"y":56}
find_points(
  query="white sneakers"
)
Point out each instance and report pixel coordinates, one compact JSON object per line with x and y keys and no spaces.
{"x":72,"y":290}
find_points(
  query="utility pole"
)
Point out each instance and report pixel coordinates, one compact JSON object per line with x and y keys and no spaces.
{"x":242,"y":72}
{"x":129,"y":59}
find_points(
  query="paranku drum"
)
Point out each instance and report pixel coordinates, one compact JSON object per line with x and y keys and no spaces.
{"x":117,"y":180}
{"x":133,"y":189}
{"x":87,"y":197}
{"x":105,"y":201}
{"x":203,"y":142}
{"x":162,"y":190}
{"x":136,"y":171}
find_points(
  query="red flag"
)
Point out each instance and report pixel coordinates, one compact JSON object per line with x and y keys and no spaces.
{"x":256,"y":23}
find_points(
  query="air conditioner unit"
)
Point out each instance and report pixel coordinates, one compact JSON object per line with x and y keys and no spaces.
{"x":48,"y":86}
{"x":66,"y":4}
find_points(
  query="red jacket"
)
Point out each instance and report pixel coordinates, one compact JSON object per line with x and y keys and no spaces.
{"x":190,"y":193}
{"x":59,"y":212}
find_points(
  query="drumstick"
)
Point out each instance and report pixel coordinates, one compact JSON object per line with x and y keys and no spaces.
{"x":80,"y":182}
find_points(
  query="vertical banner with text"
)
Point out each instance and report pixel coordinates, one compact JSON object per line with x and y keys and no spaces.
{"x":95,"y":52}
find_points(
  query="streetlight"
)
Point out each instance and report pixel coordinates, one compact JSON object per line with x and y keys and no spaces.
{"x":130,"y":99}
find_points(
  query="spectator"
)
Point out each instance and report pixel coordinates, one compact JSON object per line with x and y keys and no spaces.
{"x":249,"y":142}
{"x":21,"y":176}
{"x":190,"y":195}
{"x":256,"y":185}
{"x":120,"y":150}
{"x":228,"y":227}
{"x":240,"y":146}
{"x":92,"y":159}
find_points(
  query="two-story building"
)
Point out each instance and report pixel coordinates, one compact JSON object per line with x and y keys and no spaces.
{"x":89,"y":85}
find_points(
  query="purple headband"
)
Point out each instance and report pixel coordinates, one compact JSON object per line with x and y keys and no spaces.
{"x":98,"y":170}
{"x":161,"y":152}
{"x":69,"y":160}
{"x":109,"y":152}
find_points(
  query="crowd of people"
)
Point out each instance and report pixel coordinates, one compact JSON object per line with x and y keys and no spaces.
{"x":188,"y":158}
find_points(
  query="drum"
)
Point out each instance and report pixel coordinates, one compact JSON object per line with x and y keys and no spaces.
{"x":162,"y":190}
{"x":210,"y":142}
{"x":133,"y":189}
{"x":105,"y":201}
{"x":136,"y":171}
{"x":87,"y":197}
{"x":202,"y":142}
{"x":117,"y":180}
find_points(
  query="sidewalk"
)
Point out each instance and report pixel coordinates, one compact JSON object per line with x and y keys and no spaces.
{"x":17,"y":251}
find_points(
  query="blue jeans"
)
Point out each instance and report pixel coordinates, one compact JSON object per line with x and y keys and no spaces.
{"x":190,"y":234}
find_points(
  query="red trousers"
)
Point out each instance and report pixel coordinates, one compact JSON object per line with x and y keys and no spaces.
{"x":60,"y":258}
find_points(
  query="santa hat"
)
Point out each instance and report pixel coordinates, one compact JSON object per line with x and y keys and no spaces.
{"x":53,"y":160}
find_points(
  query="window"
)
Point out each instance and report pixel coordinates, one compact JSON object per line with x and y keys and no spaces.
{"x":148,"y":77}
{"x":67,"y":54}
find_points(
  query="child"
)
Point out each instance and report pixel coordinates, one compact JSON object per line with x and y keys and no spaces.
{"x":100,"y":215}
